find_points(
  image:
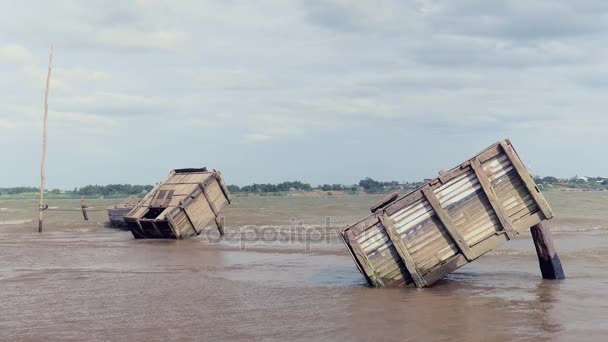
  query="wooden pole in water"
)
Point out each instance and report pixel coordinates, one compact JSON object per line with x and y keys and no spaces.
{"x":83,"y":205}
{"x":46,"y":110}
{"x":550,"y":265}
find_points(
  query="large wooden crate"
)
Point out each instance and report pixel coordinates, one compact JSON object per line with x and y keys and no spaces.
{"x":418,"y":238}
{"x":180,"y":206}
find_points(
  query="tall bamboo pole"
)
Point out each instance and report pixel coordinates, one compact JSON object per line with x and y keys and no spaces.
{"x":46,"y":110}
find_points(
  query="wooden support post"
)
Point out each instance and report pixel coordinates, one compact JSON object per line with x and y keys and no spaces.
{"x":46,"y":111}
{"x":550,"y":265}
{"x":83,"y":206}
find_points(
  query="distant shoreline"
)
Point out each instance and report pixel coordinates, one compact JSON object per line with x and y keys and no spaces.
{"x":311,"y":193}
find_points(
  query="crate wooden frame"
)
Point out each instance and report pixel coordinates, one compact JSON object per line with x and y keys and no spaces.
{"x":180,"y":215}
{"x":453,"y":219}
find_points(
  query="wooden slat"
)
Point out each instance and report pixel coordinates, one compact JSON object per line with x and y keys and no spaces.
{"x":448,"y":223}
{"x":374,"y":279}
{"x":405,"y":255}
{"x":494,"y":202}
{"x":211,"y":204}
{"x":172,"y":226}
{"x":189,"y":219}
{"x":459,"y":260}
{"x":217,"y":175}
{"x":526,"y":179}
{"x":218,"y":221}
{"x":357,"y":263}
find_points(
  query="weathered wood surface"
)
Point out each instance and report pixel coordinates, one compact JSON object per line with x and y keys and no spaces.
{"x":451,"y":220}
{"x":180,"y":206}
{"x":549,"y":262}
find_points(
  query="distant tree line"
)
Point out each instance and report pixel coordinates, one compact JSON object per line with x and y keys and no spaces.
{"x":111,"y":189}
{"x":18,"y":190}
{"x":371,"y":185}
{"x":89,"y":190}
{"x":367,"y":185}
{"x":281,"y":187}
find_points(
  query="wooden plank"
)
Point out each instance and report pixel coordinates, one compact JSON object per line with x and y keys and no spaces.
{"x":494,"y":202}
{"x":406,"y":257}
{"x":548,"y":260}
{"x":448,"y":223}
{"x":403,"y":202}
{"x":359,"y":227}
{"x":189,"y":219}
{"x":526,"y":179}
{"x":357,"y":263}
{"x":206,"y":194}
{"x":528,"y":221}
{"x":218,"y":176}
{"x":449,"y":266}
{"x":172,"y":226}
{"x":218,"y":221}
{"x":384,"y":201}
{"x":459,"y":260}
{"x":374,"y":279}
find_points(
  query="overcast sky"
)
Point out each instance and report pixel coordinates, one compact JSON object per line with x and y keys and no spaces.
{"x":323,"y":91}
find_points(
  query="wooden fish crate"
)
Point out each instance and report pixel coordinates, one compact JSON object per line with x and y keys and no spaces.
{"x":418,"y":238}
{"x":180,"y":206}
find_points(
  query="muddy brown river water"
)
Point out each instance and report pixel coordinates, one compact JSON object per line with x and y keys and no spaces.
{"x":281,"y":274}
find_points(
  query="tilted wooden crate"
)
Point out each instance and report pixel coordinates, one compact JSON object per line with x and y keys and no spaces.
{"x":418,"y":238}
{"x":180,"y":206}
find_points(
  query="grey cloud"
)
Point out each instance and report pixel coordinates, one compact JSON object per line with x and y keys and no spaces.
{"x":516,"y":19}
{"x":296,"y":80}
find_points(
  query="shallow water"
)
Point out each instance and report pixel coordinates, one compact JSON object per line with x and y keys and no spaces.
{"x":282,"y":274}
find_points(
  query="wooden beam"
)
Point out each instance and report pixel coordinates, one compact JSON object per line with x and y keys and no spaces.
{"x":220,"y":181}
{"x":172,"y":226}
{"x":402,"y":250}
{"x":357,"y":263}
{"x":41,"y":206}
{"x":370,"y":272}
{"x":448,"y":223}
{"x":189,"y":219}
{"x":499,"y":209}
{"x":526,"y":179}
{"x":206,"y":194}
{"x":384,"y":201}
{"x":216,"y":213}
{"x":550,"y":265}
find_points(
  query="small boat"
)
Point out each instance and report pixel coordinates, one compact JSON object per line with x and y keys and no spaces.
{"x":117,"y":213}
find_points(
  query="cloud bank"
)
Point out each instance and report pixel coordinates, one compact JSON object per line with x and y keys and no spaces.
{"x":318,"y":90}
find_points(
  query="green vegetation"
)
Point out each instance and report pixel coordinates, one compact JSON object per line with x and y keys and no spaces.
{"x":550,"y":183}
{"x":273,"y":188}
{"x":89,"y":191}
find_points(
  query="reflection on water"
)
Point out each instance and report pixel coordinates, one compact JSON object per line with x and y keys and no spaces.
{"x":81,"y":281}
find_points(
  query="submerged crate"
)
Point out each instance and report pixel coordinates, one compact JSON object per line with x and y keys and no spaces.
{"x":180,"y":206}
{"x":418,"y":238}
